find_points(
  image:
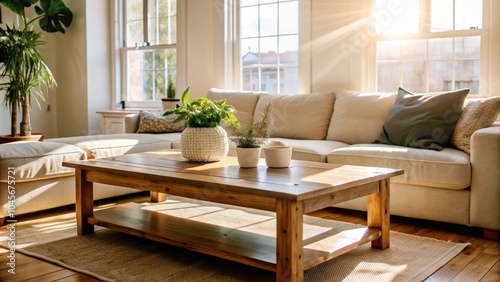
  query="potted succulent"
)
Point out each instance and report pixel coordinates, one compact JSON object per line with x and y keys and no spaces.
{"x":23,"y":67}
{"x":249,"y":141}
{"x":171,"y":101}
{"x":204,"y":139}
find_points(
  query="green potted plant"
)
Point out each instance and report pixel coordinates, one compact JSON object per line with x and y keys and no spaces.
{"x":24,"y":69}
{"x":204,"y":139}
{"x":249,"y":141}
{"x":171,"y":101}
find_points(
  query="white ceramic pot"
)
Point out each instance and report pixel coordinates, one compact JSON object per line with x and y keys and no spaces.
{"x":248,"y":157}
{"x":278,"y":156}
{"x":169,"y":103}
{"x":204,"y":144}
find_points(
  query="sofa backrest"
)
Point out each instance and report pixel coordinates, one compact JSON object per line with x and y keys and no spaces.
{"x":243,"y":101}
{"x":300,"y":116}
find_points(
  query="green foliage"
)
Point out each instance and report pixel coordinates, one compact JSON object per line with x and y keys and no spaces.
{"x":256,"y":134}
{"x":19,"y":50}
{"x":171,"y":89}
{"x":52,"y":14}
{"x":203,"y":112}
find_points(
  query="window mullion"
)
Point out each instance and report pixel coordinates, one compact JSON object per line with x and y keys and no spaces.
{"x":145,"y":26}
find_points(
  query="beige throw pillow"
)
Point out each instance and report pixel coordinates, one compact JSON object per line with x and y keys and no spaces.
{"x":300,"y":116}
{"x":155,"y":122}
{"x":477,"y":114}
{"x":358,"y":117}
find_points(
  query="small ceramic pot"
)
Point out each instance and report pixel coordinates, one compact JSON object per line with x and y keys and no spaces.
{"x":278,"y":156}
{"x":248,"y":157}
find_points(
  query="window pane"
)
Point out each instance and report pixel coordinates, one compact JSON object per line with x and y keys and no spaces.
{"x":440,"y":76}
{"x":289,"y":44}
{"x":249,"y":22}
{"x":268,"y":20}
{"x":250,"y":79}
{"x":415,"y":76}
{"x":289,"y":83}
{"x":289,"y":18}
{"x":467,"y":47}
{"x":269,"y":78}
{"x":441,"y":15}
{"x":388,"y":77}
{"x":388,"y":50}
{"x":396,"y":17}
{"x":414,"y":50}
{"x":467,"y":75}
{"x":468,"y":14}
{"x":441,"y":49}
{"x":134,"y":23}
{"x":148,"y":73}
{"x":269,"y":45}
{"x":249,"y":46}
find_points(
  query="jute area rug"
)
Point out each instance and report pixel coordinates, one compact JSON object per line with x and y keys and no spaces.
{"x":113,"y":256}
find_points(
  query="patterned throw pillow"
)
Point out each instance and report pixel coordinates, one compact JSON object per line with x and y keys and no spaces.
{"x":155,"y":122}
{"x":477,"y":114}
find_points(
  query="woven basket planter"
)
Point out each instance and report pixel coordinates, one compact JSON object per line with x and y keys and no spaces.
{"x":204,"y":144}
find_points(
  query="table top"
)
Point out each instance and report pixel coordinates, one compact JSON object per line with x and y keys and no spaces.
{"x":302,"y":180}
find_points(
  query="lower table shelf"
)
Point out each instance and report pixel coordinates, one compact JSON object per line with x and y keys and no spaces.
{"x":242,"y":246}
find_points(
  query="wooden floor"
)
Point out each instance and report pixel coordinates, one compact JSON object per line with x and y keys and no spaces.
{"x":478,"y":262}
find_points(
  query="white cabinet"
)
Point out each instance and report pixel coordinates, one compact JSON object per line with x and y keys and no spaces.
{"x":113,"y":121}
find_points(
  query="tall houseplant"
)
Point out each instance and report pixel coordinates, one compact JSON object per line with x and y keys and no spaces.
{"x":23,"y":66}
{"x":204,"y":139}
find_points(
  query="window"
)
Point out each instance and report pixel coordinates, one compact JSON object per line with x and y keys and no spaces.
{"x":148,"y":54}
{"x":268,"y":44}
{"x":428,"y":45}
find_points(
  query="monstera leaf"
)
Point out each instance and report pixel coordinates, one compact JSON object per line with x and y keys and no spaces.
{"x":54,"y":15}
{"x":17,"y":6}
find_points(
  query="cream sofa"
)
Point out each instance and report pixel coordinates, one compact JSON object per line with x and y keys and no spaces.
{"x":446,"y":186}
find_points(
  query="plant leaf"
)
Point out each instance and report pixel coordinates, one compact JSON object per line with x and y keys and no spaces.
{"x":185,"y":97}
{"x":17,"y":6}
{"x":54,"y":14}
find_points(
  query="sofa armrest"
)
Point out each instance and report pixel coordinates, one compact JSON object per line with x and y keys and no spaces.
{"x":131,"y":123}
{"x":485,"y":186}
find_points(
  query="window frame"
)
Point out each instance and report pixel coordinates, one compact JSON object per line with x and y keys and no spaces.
{"x":119,"y":59}
{"x":233,"y":57}
{"x":425,"y":33}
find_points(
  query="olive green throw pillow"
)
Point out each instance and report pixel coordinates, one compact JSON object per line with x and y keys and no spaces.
{"x":423,"y":121}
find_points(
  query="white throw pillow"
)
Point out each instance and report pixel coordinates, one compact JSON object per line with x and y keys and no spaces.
{"x":358,"y":117}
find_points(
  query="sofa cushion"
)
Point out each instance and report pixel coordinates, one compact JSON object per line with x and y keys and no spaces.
{"x":358,"y":117}
{"x":449,"y":168}
{"x":309,"y":150}
{"x":477,"y":114}
{"x":155,"y":122}
{"x":37,"y":160}
{"x":423,"y":120}
{"x":110,"y":145}
{"x":304,"y":116}
{"x":243,"y":101}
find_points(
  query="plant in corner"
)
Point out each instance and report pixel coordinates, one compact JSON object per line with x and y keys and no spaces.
{"x":249,"y":141}
{"x":171,"y":101}
{"x":24,"y":68}
{"x":204,"y":139}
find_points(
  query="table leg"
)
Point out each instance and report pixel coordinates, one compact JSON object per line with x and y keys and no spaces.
{"x":157,"y":197}
{"x":379,"y":214}
{"x":289,"y":241}
{"x":84,"y":203}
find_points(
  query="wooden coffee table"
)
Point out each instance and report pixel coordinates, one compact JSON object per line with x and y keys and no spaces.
{"x":290,"y":192}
